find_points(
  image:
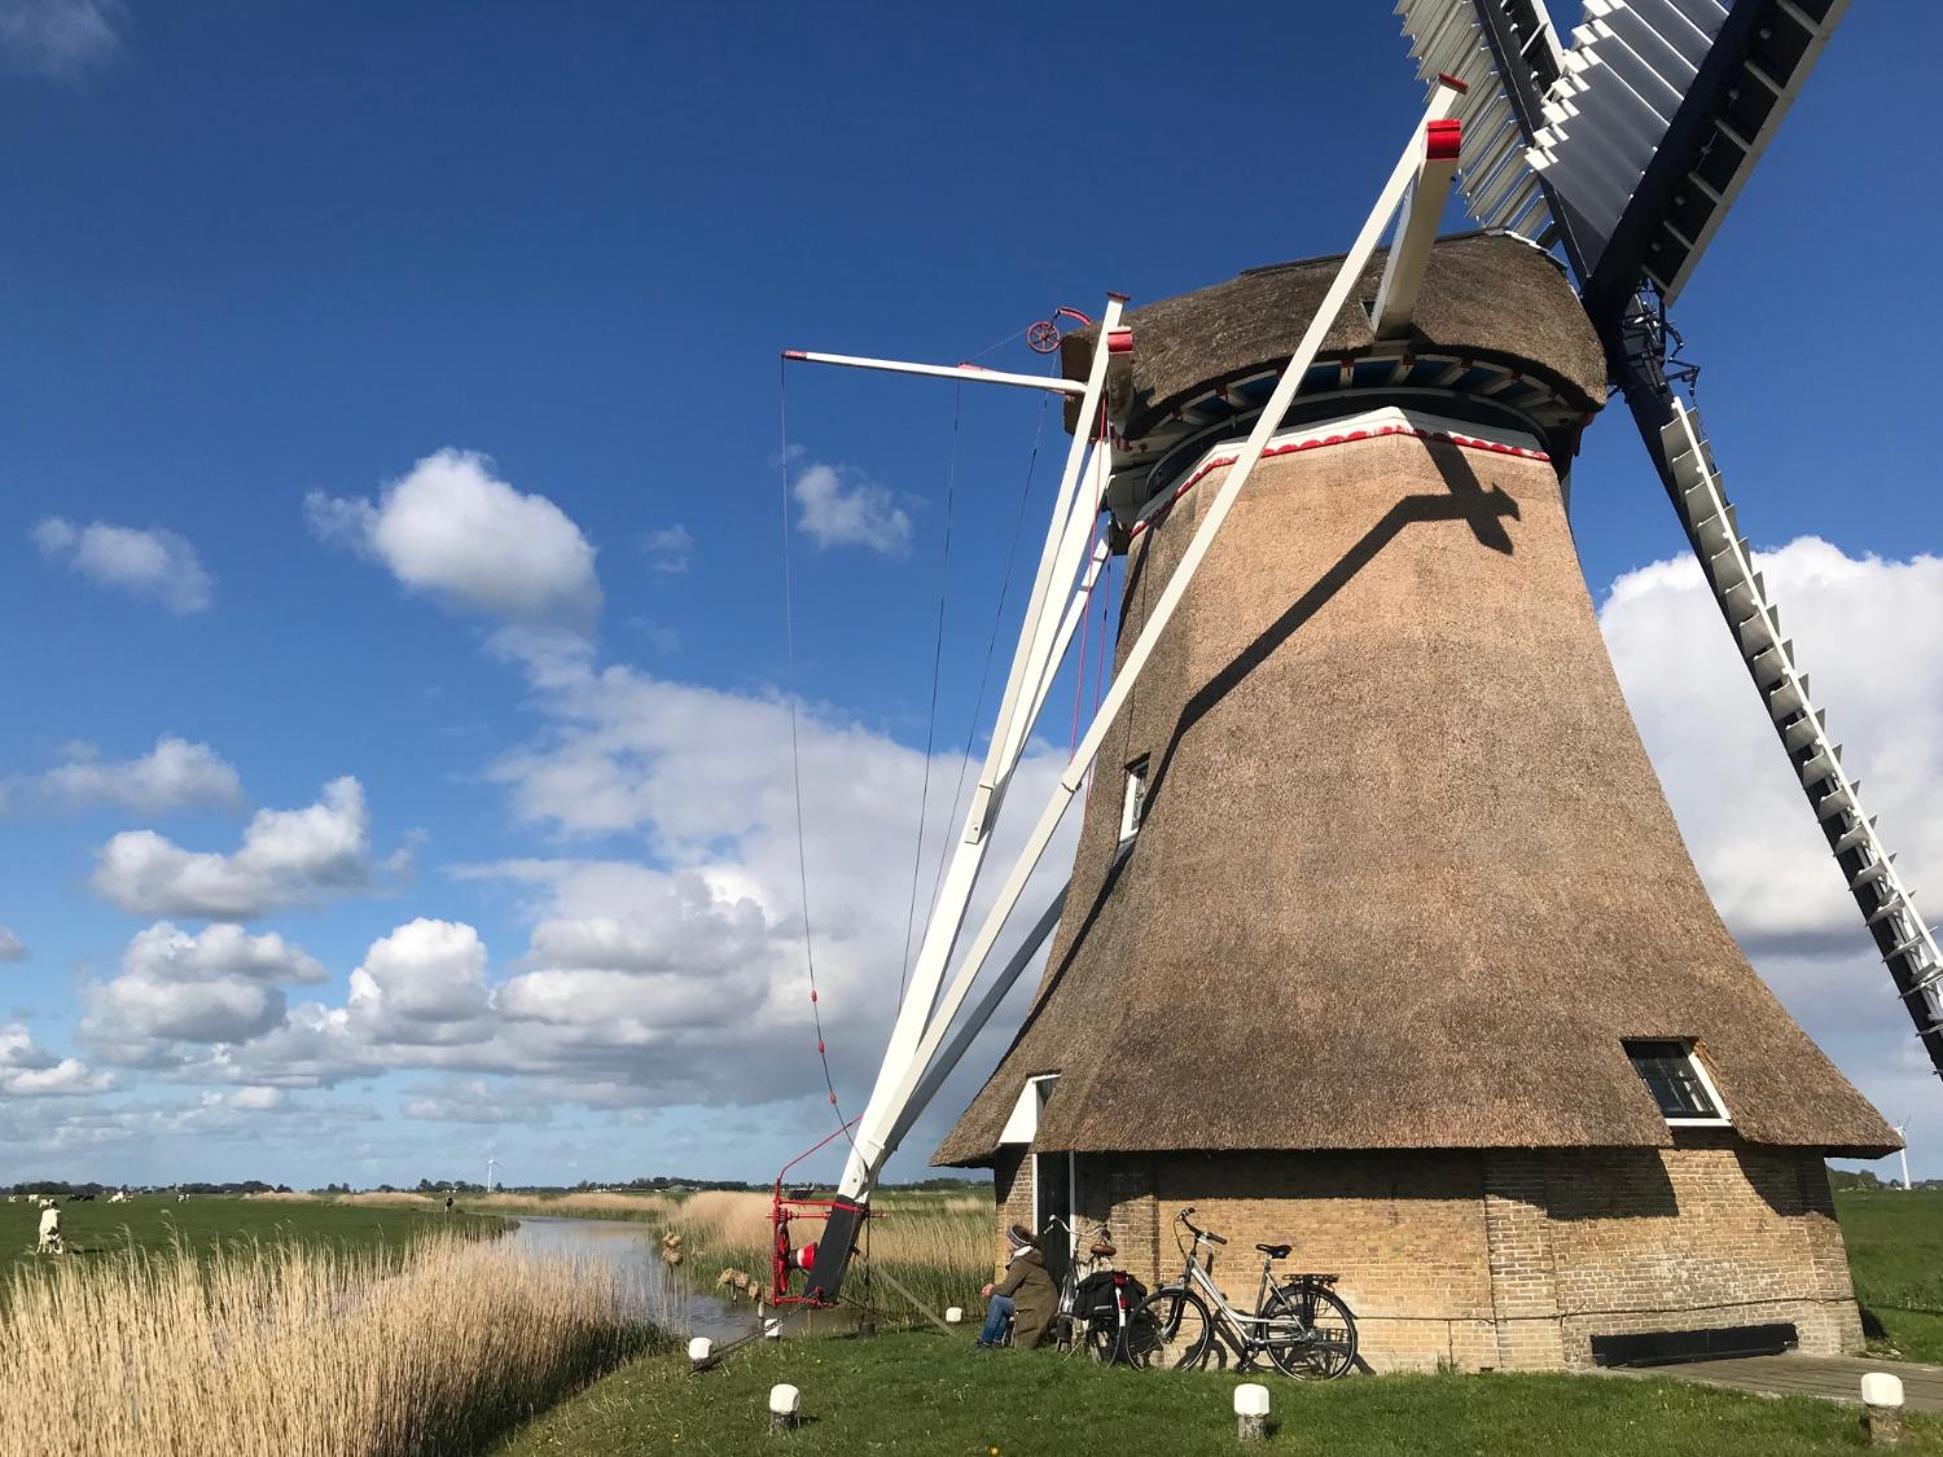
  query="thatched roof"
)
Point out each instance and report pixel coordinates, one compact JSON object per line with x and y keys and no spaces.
{"x":1407,"y":878}
{"x":1491,"y":294}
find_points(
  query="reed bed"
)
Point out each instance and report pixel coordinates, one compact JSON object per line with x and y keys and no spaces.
{"x":940,"y":1250}
{"x":284,"y":1349}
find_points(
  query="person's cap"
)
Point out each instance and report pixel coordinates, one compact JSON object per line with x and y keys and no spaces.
{"x":1020,"y":1235}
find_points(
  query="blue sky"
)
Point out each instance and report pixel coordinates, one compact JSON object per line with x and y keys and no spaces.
{"x":259,"y":265}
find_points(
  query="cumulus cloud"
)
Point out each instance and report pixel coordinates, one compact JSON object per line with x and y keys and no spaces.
{"x":1870,"y":633}
{"x":425,"y":982}
{"x":837,"y":506}
{"x":175,"y":774}
{"x":62,"y":38}
{"x":155,"y":564}
{"x":220,"y":985}
{"x":288,"y":858}
{"x":670,"y":548}
{"x":12,"y":948}
{"x":454,"y":531}
{"x":27,"y":1070}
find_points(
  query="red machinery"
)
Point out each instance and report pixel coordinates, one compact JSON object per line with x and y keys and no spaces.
{"x":785,"y":1257}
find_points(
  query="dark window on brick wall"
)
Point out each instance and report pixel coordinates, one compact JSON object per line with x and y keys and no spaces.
{"x":1667,"y":1069}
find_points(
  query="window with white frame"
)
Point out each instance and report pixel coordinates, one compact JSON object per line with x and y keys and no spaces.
{"x":1678,"y":1081}
{"x":1133,"y":808}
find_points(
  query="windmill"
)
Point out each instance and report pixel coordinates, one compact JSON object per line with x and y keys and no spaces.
{"x":492,"y":1163}
{"x":1382,"y":927}
{"x":1902,"y":1132}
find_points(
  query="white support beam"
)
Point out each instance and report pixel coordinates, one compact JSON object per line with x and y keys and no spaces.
{"x":905,"y":1069}
{"x":1069,"y":624}
{"x":974,"y":1021}
{"x":1423,"y":205}
{"x":1074,"y":508}
{"x":977,"y":374}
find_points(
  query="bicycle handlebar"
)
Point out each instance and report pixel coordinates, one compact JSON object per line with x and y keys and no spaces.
{"x":1197,"y":1231}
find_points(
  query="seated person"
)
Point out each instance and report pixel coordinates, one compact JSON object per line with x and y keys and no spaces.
{"x":1026,"y":1294}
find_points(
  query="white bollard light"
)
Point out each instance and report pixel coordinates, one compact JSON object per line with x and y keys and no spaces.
{"x":701,"y":1352}
{"x":1251,"y":1411}
{"x":785,"y":1405}
{"x":954,"y":1315}
{"x":1882,"y":1397}
{"x":772,"y":1330}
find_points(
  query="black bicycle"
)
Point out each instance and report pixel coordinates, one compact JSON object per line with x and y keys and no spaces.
{"x":1299,"y":1322}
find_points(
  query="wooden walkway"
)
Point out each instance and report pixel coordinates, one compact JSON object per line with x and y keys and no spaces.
{"x":1832,"y":1378}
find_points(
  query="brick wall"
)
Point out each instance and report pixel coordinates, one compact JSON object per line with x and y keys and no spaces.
{"x":1505,"y":1259}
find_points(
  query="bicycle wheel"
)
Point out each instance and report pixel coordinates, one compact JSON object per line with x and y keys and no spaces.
{"x":1168,"y":1331}
{"x":1312,"y":1335}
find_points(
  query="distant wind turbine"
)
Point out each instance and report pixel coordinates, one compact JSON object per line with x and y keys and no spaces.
{"x":1902,"y":1132}
{"x":492,"y":1163}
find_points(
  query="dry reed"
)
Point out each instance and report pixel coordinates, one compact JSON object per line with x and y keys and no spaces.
{"x":941,"y":1250}
{"x":281,"y":1349}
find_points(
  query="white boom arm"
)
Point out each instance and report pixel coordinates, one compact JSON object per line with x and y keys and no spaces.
{"x":912,"y":1060}
{"x":1075,"y":508}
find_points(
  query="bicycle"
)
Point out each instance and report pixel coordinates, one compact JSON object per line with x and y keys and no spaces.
{"x":1090,"y":1318}
{"x":1303,"y":1326}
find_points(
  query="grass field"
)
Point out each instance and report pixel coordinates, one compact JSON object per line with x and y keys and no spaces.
{"x":156,"y":1223}
{"x":921,"y":1393}
{"x":1895,"y":1245}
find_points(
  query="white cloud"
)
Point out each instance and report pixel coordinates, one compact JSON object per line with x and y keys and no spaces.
{"x":12,"y":948}
{"x":257,"y":1099}
{"x":165,"y":954}
{"x":424,"y":983}
{"x":453,"y":531}
{"x":28,"y":1070}
{"x":670,"y":549}
{"x":154,"y":563}
{"x":175,"y":774}
{"x":474,"y":1100}
{"x":288,"y":858}
{"x":837,"y":506}
{"x":1870,"y":634}
{"x":61,"y":37}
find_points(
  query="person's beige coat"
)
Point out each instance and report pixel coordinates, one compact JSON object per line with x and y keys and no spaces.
{"x":1035,"y":1299}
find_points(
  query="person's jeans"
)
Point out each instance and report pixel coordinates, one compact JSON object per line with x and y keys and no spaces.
{"x":996,"y":1315}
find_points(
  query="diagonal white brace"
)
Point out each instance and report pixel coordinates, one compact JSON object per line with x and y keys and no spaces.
{"x":1403,"y":273}
{"x":873,"y":1143}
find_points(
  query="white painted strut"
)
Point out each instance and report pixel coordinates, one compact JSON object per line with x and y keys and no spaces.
{"x":871,"y":1142}
{"x":1423,"y":205}
{"x":976,"y":373}
{"x":904,"y":1070}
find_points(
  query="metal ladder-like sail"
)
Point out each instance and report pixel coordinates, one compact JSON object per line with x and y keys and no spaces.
{"x":1908,"y":946}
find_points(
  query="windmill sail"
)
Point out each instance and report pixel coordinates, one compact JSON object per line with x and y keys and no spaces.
{"x":1642,"y":131}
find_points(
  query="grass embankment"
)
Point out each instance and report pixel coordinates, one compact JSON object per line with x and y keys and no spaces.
{"x":938,"y":1247}
{"x":299,"y":1347}
{"x":1895,"y":1242}
{"x":921,"y":1393}
{"x":647,"y":1208}
{"x":149,"y":1222}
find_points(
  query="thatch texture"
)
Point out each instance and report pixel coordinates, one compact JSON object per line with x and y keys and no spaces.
{"x":1491,"y":295}
{"x":1407,"y":877}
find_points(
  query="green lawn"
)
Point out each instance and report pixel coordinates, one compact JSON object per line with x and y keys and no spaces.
{"x":155,"y":1222}
{"x":921,"y":1393}
{"x":1895,"y":1245}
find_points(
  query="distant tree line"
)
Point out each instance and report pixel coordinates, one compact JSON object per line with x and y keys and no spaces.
{"x":1868,"y":1179}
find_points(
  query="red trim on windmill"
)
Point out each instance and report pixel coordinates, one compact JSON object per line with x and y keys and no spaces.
{"x":1444,"y":78}
{"x":1442,"y":139}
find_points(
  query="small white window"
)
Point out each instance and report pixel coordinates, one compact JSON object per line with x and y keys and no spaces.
{"x":1133,"y":807}
{"x":1678,"y":1082}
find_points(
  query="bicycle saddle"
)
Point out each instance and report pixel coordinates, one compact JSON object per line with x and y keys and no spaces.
{"x":1275,"y":1252}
